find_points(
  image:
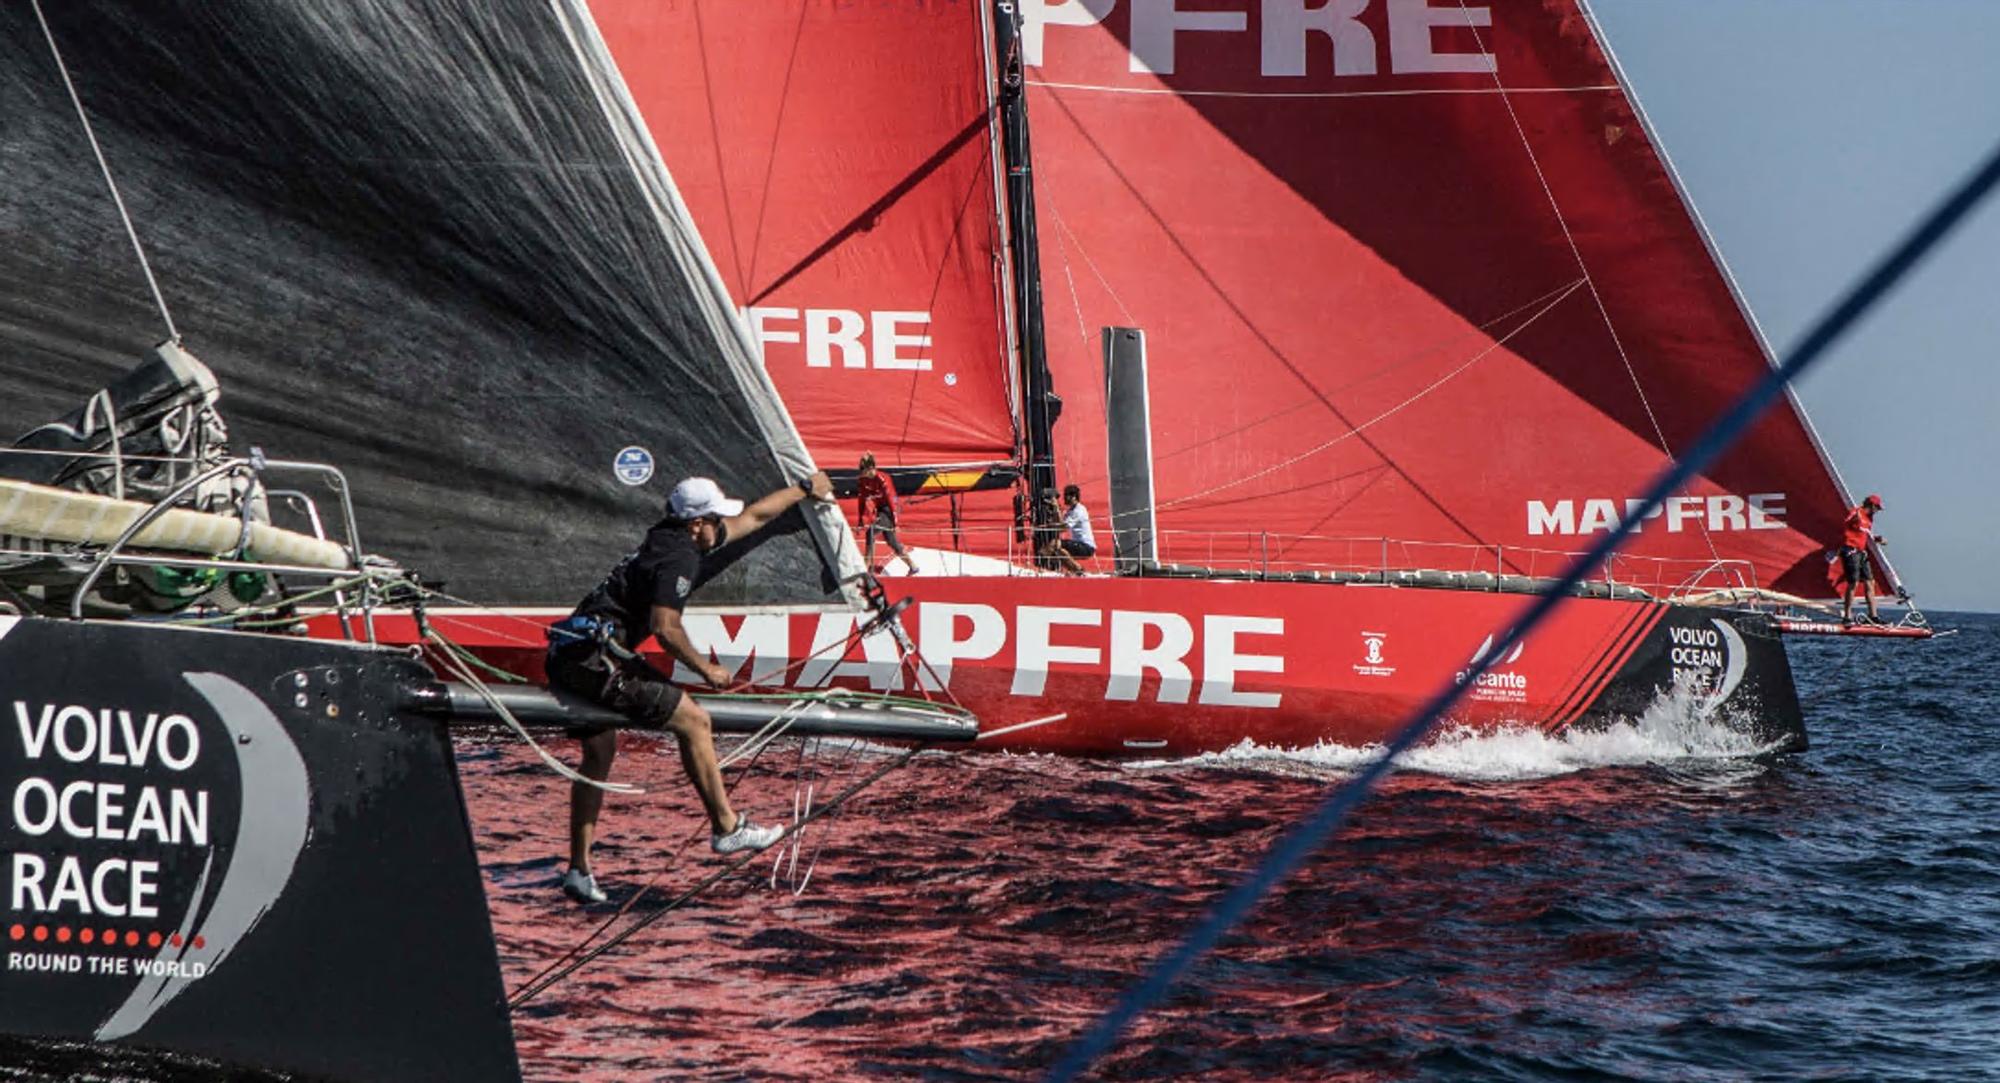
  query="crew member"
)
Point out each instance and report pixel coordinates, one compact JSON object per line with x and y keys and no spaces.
{"x":875,"y":510}
{"x":1081,"y":543}
{"x":593,"y":653}
{"x":1855,"y":566}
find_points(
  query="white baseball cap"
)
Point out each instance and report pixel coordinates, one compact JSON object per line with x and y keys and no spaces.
{"x":699,"y":498}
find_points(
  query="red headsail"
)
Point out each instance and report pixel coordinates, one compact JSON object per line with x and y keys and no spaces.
{"x":837,"y":159}
{"x":1408,"y":268}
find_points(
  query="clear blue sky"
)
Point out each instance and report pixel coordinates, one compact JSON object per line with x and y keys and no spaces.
{"x":1810,"y":133}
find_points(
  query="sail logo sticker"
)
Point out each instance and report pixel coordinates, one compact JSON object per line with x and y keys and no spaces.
{"x":1373,"y":663}
{"x":1288,"y":31}
{"x":1496,"y":685}
{"x":633,"y":465}
{"x":1717,"y":513}
{"x":892,"y":339}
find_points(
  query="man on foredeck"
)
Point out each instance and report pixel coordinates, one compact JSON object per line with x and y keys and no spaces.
{"x":1856,"y":568}
{"x":593,"y":653}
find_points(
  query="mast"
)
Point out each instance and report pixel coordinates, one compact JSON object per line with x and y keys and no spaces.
{"x":1040,"y":406}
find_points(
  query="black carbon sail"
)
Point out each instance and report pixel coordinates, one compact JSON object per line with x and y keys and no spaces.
{"x":421,"y":240}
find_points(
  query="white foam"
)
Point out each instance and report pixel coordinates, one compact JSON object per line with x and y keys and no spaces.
{"x":1677,"y":730}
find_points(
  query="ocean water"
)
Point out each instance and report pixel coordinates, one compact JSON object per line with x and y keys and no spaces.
{"x":1654,"y":902}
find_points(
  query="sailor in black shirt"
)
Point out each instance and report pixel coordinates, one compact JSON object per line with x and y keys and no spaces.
{"x":592,"y":654}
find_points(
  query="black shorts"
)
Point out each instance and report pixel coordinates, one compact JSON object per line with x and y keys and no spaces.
{"x":1856,"y":565}
{"x":1076,"y":548}
{"x":634,"y":689}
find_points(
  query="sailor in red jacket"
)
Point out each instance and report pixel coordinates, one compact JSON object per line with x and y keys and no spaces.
{"x":875,"y":510}
{"x":1855,"y":566}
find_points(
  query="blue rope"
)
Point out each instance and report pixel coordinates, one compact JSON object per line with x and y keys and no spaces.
{"x":1308,"y":836}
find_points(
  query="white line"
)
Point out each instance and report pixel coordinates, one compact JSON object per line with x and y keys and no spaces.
{"x":1311,"y":94}
{"x":1022,"y":726}
{"x":1384,"y":415}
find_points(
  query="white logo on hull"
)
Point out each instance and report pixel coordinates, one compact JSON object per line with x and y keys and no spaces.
{"x":1497,"y":685}
{"x":1204,"y":660}
{"x":1372,"y":662}
{"x":1710,"y":662}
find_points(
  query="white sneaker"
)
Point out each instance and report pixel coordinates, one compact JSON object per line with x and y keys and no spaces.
{"x":747,"y":836}
{"x":582,"y":887}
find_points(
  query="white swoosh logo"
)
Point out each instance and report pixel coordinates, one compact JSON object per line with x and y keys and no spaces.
{"x":271,"y":830}
{"x":1738,"y":660}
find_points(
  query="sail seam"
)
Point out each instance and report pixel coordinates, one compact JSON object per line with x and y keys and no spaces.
{"x":1391,"y":411}
{"x":1576,"y":253}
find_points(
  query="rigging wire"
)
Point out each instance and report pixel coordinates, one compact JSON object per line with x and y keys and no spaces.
{"x":534,"y":985}
{"x":1576,"y":253}
{"x":464,"y":673}
{"x":1307,"y":837}
{"x":1386,"y":414}
{"x":528,"y":993}
{"x":173,"y":333}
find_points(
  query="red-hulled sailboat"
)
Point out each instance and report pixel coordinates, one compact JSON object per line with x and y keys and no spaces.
{"x":1421,"y":301}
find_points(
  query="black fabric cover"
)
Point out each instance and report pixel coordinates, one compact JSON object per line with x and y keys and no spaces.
{"x":409,"y":242}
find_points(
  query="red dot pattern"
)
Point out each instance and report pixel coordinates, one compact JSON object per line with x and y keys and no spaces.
{"x":110,"y":938}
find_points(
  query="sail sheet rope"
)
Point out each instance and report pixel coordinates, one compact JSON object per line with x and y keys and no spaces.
{"x":581,"y":958}
{"x":1319,"y":826}
{"x":104,"y":167}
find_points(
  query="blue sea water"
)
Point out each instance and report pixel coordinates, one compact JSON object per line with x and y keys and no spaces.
{"x":1656,"y":902}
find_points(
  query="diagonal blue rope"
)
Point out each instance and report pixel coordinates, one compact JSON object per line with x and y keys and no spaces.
{"x":1310,"y":834}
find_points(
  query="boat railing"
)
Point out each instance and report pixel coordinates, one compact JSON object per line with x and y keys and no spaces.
{"x":999,"y":549}
{"x":96,"y":559}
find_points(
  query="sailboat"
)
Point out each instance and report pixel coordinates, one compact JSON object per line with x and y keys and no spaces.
{"x":252,"y":849}
{"x":1354,"y":322}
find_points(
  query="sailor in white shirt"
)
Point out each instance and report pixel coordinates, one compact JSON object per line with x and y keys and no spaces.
{"x":1081,"y":543}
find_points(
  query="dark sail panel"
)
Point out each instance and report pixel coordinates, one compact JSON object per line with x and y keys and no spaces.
{"x":414,"y":239}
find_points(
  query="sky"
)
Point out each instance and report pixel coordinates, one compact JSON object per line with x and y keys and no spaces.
{"x":1810,"y":134}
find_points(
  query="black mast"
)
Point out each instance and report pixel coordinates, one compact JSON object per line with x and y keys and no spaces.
{"x":1040,"y":404}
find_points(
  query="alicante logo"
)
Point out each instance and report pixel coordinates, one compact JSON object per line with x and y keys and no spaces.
{"x":1497,"y":684}
{"x":1373,"y":663}
{"x":146,"y":833}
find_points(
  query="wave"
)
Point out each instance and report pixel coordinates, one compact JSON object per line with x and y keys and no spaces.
{"x":1677,"y":731}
